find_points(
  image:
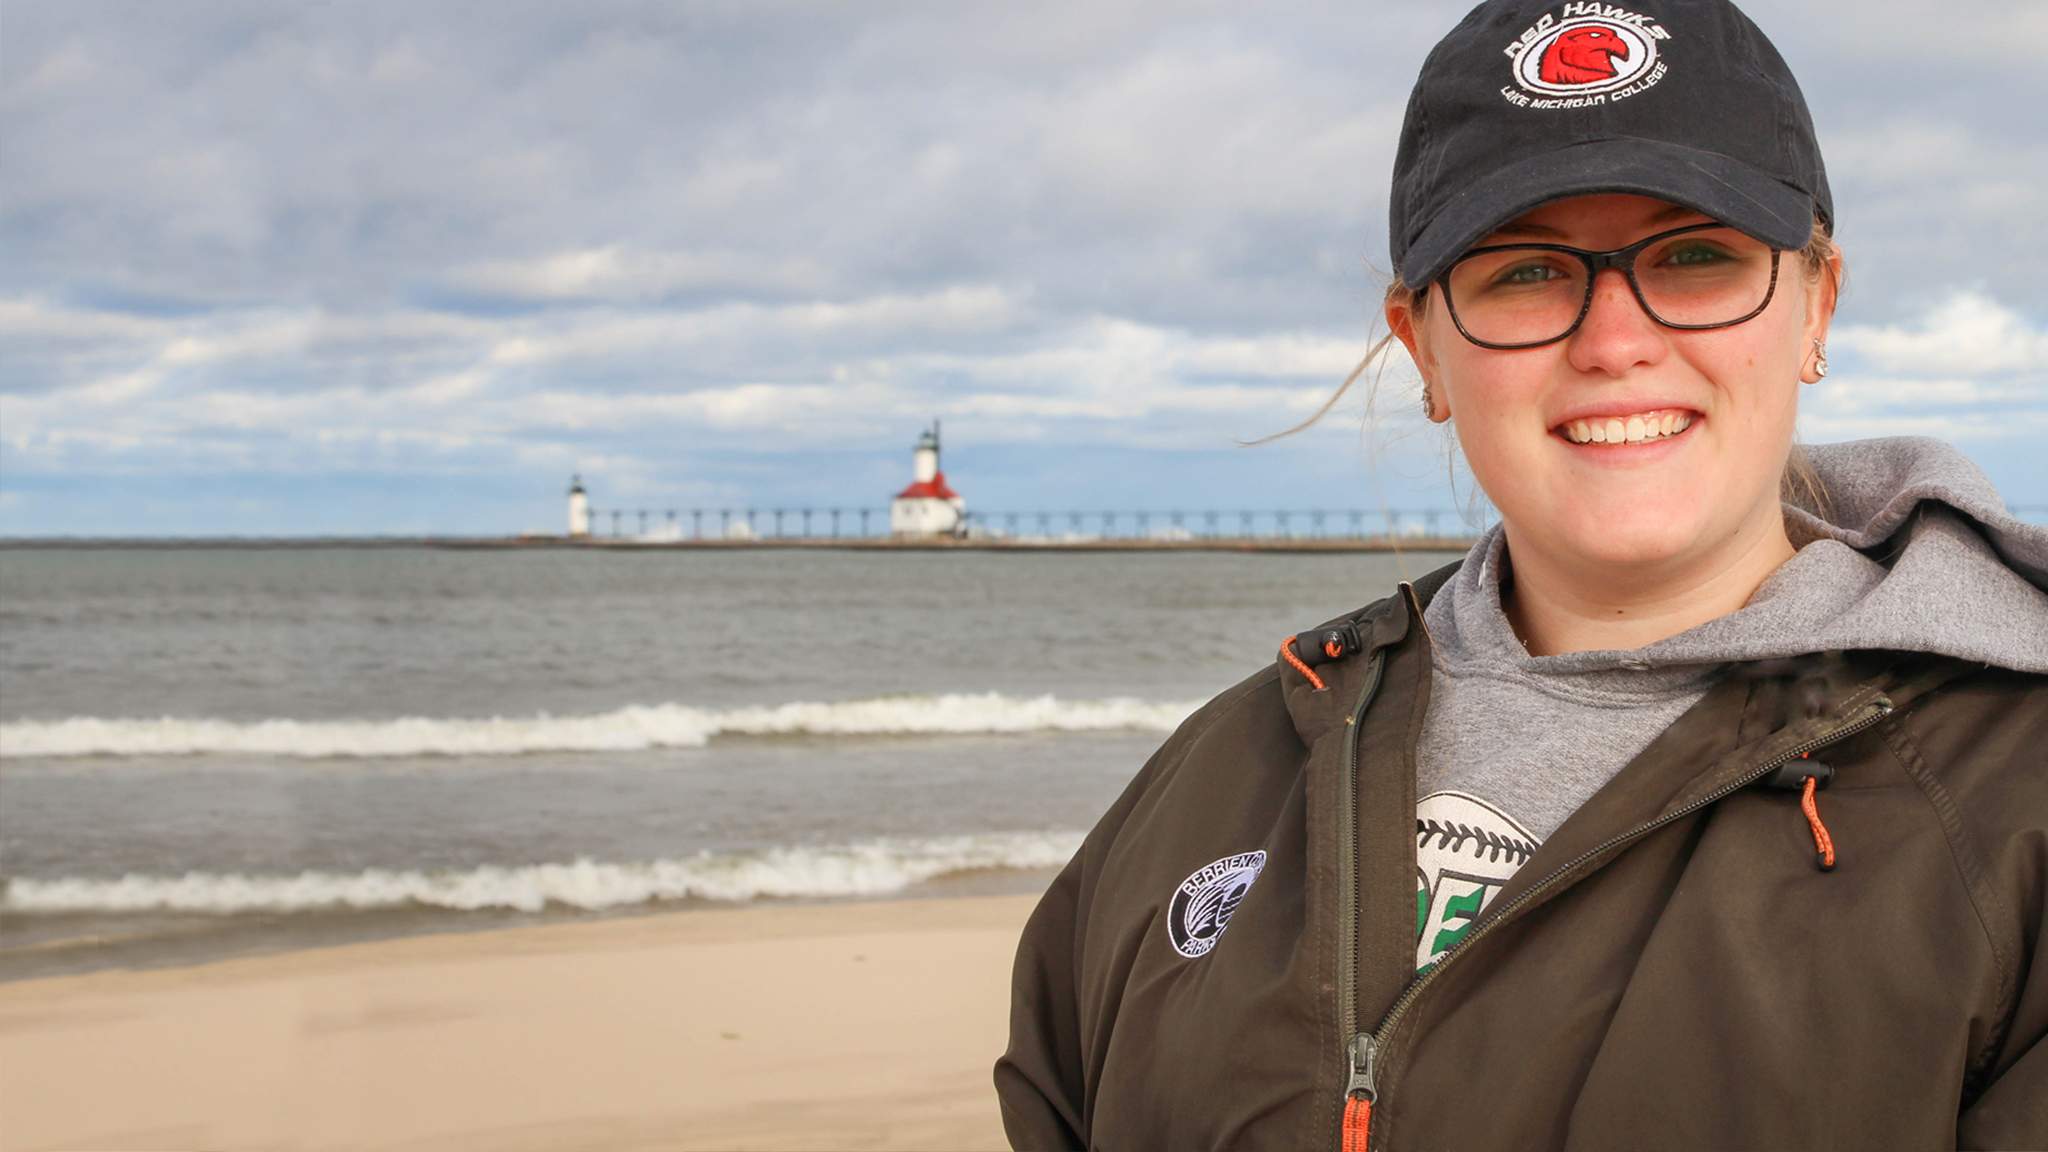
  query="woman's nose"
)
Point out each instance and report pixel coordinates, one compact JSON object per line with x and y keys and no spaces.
{"x":1616,"y":335}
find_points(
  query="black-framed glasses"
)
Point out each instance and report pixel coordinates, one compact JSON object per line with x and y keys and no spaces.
{"x":1507,"y":296}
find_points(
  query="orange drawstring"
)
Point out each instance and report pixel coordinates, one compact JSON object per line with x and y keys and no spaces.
{"x":1287,"y":653}
{"x":1824,"y":844}
{"x":1333,"y":643}
{"x":1357,"y":1124}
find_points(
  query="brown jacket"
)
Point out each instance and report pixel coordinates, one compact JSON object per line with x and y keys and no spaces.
{"x":1671,"y":968}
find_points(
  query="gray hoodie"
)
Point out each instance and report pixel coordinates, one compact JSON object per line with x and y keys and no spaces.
{"x":1919,"y":554}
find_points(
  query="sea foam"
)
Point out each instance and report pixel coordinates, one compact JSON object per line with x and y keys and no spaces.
{"x":629,"y":729}
{"x":866,"y":868}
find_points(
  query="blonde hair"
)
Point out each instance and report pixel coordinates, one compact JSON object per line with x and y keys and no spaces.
{"x":1799,"y":484}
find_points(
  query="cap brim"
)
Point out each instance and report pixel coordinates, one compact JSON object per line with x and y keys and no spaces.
{"x":1708,"y":182}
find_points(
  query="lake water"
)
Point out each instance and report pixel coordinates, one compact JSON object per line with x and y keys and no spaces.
{"x":208,"y":751}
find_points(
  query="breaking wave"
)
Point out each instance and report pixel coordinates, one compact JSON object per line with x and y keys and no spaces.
{"x":633,"y":728}
{"x":868,"y":868}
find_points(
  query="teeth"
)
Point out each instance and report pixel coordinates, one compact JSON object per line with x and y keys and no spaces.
{"x":1632,"y":430}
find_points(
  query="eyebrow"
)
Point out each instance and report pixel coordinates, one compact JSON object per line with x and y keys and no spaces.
{"x":1522,"y":228}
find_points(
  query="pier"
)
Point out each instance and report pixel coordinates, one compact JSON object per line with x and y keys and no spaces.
{"x":1238,"y":529}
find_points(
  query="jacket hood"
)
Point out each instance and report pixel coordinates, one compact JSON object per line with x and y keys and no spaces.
{"x":1915,"y":552}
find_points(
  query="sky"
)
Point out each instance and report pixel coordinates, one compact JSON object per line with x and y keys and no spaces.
{"x":402,"y":268}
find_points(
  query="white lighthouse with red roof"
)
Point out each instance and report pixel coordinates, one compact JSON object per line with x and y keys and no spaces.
{"x":928,"y":507}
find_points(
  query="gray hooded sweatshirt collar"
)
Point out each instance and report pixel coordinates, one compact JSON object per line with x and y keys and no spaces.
{"x":1917,"y":552}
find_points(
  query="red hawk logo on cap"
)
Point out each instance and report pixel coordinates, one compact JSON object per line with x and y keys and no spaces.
{"x":1587,"y":59}
{"x":1584,"y":54}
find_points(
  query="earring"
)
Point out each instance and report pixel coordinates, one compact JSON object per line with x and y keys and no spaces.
{"x":1428,"y":406}
{"x":1820,"y":360}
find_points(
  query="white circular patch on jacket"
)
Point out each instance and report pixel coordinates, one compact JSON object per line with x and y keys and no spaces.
{"x":1203,"y":904}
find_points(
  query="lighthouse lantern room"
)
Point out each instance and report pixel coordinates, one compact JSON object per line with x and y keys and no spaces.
{"x":927,"y":507}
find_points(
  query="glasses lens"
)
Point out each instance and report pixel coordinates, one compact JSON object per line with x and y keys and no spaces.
{"x":1708,"y":277}
{"x":1530,"y":295}
{"x":1518,"y":295}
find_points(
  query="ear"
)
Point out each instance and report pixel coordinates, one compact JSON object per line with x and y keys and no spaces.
{"x":1406,"y":325}
{"x":1820,"y":311}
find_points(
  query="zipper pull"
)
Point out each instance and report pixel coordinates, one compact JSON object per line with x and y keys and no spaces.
{"x":1364,"y":1076}
{"x":1359,"y":1093}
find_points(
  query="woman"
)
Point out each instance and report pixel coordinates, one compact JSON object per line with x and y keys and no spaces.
{"x":1715,"y":770}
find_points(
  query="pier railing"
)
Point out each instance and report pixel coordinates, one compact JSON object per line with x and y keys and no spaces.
{"x":768,"y":523}
{"x":813,"y":523}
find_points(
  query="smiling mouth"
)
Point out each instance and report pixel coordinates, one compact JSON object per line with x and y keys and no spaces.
{"x":1630,"y":428}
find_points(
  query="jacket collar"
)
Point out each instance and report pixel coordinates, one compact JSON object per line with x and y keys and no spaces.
{"x":1384,"y":624}
{"x":1748,"y":716}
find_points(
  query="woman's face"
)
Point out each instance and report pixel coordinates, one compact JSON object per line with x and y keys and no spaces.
{"x":1655,"y":503}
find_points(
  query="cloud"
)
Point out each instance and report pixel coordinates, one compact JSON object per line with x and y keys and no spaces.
{"x":694,"y":241}
{"x":477,"y":383}
{"x":1967,"y":334}
{"x":615,"y":273}
{"x":1961,"y":428}
{"x":1968,"y":368}
{"x":1931,"y":36}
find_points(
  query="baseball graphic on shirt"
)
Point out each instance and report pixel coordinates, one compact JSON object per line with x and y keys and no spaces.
{"x":1465,"y":851}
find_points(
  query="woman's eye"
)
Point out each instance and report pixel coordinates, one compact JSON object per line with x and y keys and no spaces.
{"x":1528,"y":274}
{"x":1693,"y":255}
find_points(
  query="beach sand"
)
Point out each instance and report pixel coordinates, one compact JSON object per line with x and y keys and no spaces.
{"x":863,"y":1025}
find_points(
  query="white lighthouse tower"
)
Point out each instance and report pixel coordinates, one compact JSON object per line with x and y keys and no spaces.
{"x":579,"y":509}
{"x":927,"y":507}
{"x":924,"y":459}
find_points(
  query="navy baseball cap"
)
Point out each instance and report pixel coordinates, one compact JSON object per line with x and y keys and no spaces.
{"x":1526,"y":101}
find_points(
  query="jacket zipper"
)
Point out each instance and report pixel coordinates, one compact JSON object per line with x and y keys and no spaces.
{"x":1358,"y":1091}
{"x":1362,"y":1051}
